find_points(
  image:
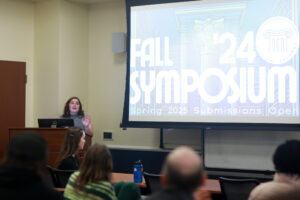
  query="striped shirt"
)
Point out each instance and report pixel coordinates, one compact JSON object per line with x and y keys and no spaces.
{"x":99,"y":190}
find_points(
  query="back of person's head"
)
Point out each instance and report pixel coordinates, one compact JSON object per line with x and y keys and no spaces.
{"x":127,"y":191}
{"x":183,"y":169}
{"x":70,"y":145}
{"x":26,"y":150}
{"x":287,"y":157}
{"x":67,"y":112}
{"x":96,"y":166}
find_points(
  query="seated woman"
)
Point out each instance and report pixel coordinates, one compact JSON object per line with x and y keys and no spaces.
{"x":93,"y":179}
{"x":73,"y":109}
{"x":68,"y":158}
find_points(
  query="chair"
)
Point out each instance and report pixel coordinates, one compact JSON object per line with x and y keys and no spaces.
{"x":60,"y":177}
{"x":47,"y":175}
{"x":237,"y":189}
{"x":152,"y":182}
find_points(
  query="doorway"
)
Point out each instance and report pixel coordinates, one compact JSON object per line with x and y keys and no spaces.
{"x":12,"y":99}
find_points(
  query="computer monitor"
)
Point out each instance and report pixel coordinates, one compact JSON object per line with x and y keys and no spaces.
{"x":56,"y":123}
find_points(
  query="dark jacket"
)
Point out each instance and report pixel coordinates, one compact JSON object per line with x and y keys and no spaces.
{"x":69,"y":163}
{"x":22,"y":184}
{"x":169,"y":194}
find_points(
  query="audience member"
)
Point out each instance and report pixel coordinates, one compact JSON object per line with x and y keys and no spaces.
{"x":68,"y":156}
{"x":20,"y":172}
{"x":73,"y":109}
{"x":92,"y":182}
{"x":127,"y":191}
{"x":182,"y":175}
{"x":286,"y":183}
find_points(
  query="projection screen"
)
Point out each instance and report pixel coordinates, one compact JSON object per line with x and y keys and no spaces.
{"x":212,"y":62}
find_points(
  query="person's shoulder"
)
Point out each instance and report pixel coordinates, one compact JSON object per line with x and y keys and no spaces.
{"x":158,"y":196}
{"x":104,"y":188}
{"x":127,"y":190}
{"x":45,"y":192}
{"x":69,"y":163}
{"x":34,"y":190}
{"x":75,"y":174}
{"x":67,"y":160}
{"x":167,"y":194}
{"x":274,"y":190}
{"x":4,"y":169}
{"x":104,"y":184}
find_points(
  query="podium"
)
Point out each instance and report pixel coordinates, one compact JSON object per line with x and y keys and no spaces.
{"x":53,"y":136}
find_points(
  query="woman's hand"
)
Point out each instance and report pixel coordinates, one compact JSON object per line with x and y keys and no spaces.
{"x":86,"y":120}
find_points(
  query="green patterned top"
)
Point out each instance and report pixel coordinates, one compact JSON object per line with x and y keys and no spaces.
{"x":99,"y":190}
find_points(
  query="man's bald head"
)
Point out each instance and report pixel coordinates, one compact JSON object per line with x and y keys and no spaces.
{"x":183,"y":169}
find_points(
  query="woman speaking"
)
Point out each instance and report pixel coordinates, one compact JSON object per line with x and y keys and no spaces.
{"x":73,"y":109}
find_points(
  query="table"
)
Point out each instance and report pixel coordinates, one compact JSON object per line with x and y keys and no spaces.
{"x":211,"y":185}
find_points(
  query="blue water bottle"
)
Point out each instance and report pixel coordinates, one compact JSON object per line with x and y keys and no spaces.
{"x":138,"y":172}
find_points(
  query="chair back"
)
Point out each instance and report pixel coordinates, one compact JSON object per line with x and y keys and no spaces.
{"x":152,"y":182}
{"x":60,"y":177}
{"x":237,"y":189}
{"x":46,"y":175}
{"x":51,"y":175}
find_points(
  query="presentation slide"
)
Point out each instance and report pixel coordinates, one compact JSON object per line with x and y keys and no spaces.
{"x":215,"y":61}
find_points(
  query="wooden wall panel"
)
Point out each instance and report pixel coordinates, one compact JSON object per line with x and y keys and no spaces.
{"x":12,"y":99}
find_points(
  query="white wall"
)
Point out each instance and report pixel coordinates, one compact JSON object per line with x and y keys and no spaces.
{"x":61,"y":51}
{"x":17,"y":43}
{"x":46,"y":68}
{"x":73,"y":53}
{"x":107,"y":78}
